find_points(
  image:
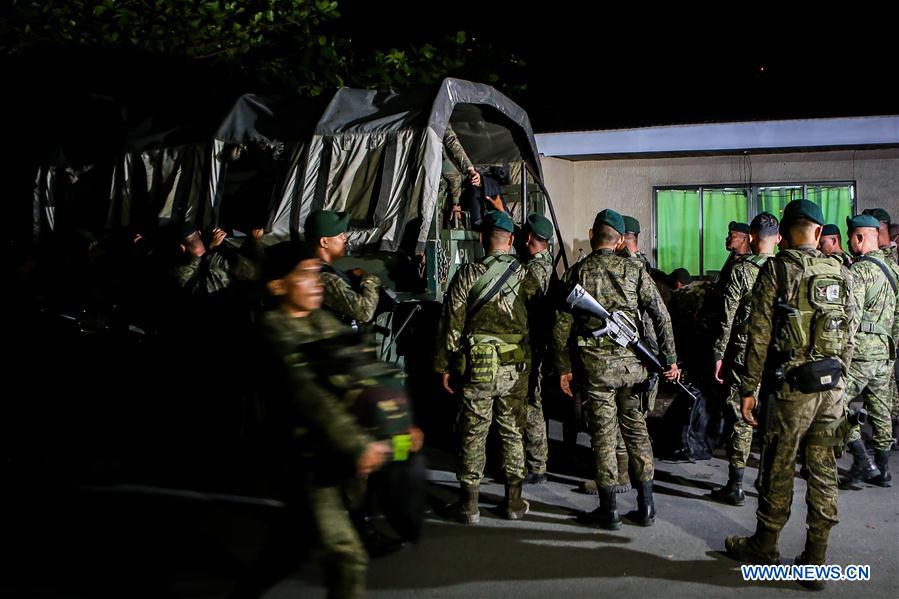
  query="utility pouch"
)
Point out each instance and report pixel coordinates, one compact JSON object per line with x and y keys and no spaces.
{"x":814,"y":377}
{"x":791,"y":335}
{"x":484,"y":363}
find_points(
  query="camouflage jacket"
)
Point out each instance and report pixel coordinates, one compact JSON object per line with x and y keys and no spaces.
{"x":735,"y":314}
{"x":723,"y":279}
{"x":877,"y":320}
{"x":892,"y":251}
{"x":499,"y":316}
{"x":315,"y":411}
{"x":762,"y":315}
{"x":453,"y":152}
{"x":345,"y":301}
{"x":618,"y":283}
{"x":540,"y":269}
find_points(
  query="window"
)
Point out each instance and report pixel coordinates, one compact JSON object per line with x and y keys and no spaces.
{"x":691,"y":221}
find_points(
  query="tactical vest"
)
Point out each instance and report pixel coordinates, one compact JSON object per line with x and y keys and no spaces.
{"x":814,"y":324}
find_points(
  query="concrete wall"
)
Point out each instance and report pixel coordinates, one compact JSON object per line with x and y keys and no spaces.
{"x":580,"y":189}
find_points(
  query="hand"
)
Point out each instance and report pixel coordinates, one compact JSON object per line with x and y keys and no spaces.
{"x":565,"y":383}
{"x":718,"y":379}
{"x":418,"y":439}
{"x":747,"y":408}
{"x":218,"y":236}
{"x":357,"y":273}
{"x":257,"y":233}
{"x":496,"y":202}
{"x":457,"y":211}
{"x":474,"y":176}
{"x":372,"y":458}
{"x":446,"y":383}
{"x":672,"y":374}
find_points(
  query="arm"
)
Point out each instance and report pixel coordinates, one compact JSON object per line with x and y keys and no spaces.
{"x":564,"y":322}
{"x":452,"y":323}
{"x":455,"y":151}
{"x":343,"y":299}
{"x":734,"y":292}
{"x":650,"y":301}
{"x":761,"y":323}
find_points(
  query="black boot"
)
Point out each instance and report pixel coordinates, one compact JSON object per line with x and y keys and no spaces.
{"x":606,"y":515}
{"x":465,"y":510}
{"x":645,"y":514}
{"x":884,"y":479}
{"x":760,"y":548}
{"x":862,"y":468}
{"x":535,"y":478}
{"x":732,"y":492}
{"x":516,"y":507}
{"x":815,"y":554}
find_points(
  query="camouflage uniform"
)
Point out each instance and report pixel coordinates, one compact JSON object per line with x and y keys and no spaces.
{"x":723,"y":279}
{"x":328,"y":443}
{"x":877,"y":328}
{"x":612,"y":371}
{"x":540,"y":267}
{"x":731,"y":348}
{"x":345,"y":301}
{"x":504,"y":399}
{"x":455,"y":166}
{"x":798,"y":421}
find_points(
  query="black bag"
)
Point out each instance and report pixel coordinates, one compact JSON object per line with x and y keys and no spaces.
{"x":814,"y":377}
{"x":681,"y":434}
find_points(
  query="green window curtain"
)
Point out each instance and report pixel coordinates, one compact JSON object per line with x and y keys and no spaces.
{"x":719,"y":207}
{"x":773,"y":199}
{"x":835,"y":203}
{"x":677,"y":218}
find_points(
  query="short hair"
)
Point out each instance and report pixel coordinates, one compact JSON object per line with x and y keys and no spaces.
{"x":765,"y":225}
{"x":799,"y":225}
{"x":606,"y":234}
{"x":499,"y":236}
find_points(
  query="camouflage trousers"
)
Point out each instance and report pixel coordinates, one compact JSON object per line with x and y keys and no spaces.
{"x":871,"y":380}
{"x":807,"y":422}
{"x":605,"y":412}
{"x":535,"y":441}
{"x":503,"y":401}
{"x":894,"y":411}
{"x":740,"y":441}
{"x":341,"y":554}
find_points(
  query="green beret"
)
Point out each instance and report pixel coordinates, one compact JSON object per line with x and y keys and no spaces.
{"x":830,"y":230}
{"x":802,"y":209}
{"x":281,"y":258}
{"x":862,"y":220}
{"x":494,"y":219}
{"x":610,"y":218}
{"x":879,"y":213}
{"x":738,"y":227}
{"x":631,"y":225}
{"x":325,"y":223}
{"x":540,"y":226}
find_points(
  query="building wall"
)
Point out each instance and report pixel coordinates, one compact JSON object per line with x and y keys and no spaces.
{"x":580,"y":189}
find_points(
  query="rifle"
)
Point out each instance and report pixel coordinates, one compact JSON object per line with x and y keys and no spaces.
{"x":620,"y":328}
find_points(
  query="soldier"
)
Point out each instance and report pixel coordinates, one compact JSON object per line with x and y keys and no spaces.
{"x":540,"y":267}
{"x":802,"y":302}
{"x":877,"y":327}
{"x":730,"y":349}
{"x":352,"y":296}
{"x":455,"y":164}
{"x":208,"y":269}
{"x":328,"y":445}
{"x":831,"y":244}
{"x":611,"y":371}
{"x":737,"y":243}
{"x":883,"y":217}
{"x":483,"y":335}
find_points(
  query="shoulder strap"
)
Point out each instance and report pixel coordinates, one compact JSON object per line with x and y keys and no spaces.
{"x":780,"y":274}
{"x":494,"y":269}
{"x":498,"y":282}
{"x":883,"y":267}
{"x":756,"y":260}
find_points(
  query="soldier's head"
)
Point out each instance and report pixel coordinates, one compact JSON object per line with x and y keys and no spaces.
{"x":608,"y":231}
{"x":883,"y":218}
{"x":894,"y":232}
{"x":680,"y":278}
{"x":801,"y":224}
{"x":831,"y":242}
{"x":325,"y":233}
{"x":540,"y":231}
{"x":864,"y":234}
{"x":764,"y":233}
{"x":291,"y":275}
{"x":496,"y":234}
{"x":631,"y":234}
{"x":737,"y":239}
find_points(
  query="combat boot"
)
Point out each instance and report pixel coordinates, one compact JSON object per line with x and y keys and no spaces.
{"x":535,"y":478}
{"x":606,"y":515}
{"x":645,"y":514}
{"x":884,"y":479}
{"x":862,"y":468}
{"x":732,"y":492}
{"x":623,"y":484}
{"x":465,"y":510}
{"x":760,"y":548}
{"x":516,"y":507}
{"x":815,"y":554}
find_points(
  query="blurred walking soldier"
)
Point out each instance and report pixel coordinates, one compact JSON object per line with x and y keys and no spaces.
{"x":730,"y":349}
{"x":801,"y":304}
{"x":483,"y":338}
{"x":540,"y":267}
{"x":610,"y":371}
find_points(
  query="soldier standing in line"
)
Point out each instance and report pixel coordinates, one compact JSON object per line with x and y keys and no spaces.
{"x":610,"y":371}
{"x":876,"y":282}
{"x":802,"y":302}
{"x":730,"y":349}
{"x":737,"y":243}
{"x":483,"y":337}
{"x":831,"y":244}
